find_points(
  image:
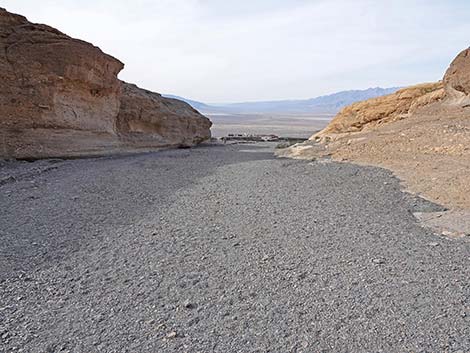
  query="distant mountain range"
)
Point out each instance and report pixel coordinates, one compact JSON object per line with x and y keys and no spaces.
{"x":329,"y":104}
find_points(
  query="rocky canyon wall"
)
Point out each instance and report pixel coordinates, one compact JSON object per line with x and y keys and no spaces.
{"x":60,"y":96}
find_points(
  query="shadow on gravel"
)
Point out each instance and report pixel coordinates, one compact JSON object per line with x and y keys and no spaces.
{"x":222,"y":249}
{"x":51,"y":209}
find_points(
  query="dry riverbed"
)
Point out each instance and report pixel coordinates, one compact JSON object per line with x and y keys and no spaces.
{"x":223,"y":249}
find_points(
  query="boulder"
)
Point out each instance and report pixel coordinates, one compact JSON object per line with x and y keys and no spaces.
{"x":457,"y":79}
{"x":60,"y":96}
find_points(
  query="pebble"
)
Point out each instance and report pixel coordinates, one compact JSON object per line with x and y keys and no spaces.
{"x":171,"y":334}
{"x":266,"y":258}
{"x":188,"y":305}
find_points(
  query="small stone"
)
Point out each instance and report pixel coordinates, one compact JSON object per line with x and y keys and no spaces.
{"x":378,"y":261}
{"x":171,"y":334}
{"x":302,"y":276}
{"x":433,"y":244}
{"x":188,"y":305}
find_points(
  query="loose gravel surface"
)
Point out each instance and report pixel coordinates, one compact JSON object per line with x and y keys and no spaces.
{"x":223,"y":249}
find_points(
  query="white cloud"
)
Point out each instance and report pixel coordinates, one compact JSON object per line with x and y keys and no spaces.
{"x":265,"y":49}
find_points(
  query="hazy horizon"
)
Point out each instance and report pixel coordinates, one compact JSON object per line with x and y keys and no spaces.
{"x":171,"y":95}
{"x":260,"y":50}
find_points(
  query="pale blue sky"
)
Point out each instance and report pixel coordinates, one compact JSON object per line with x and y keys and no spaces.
{"x":219,"y":51}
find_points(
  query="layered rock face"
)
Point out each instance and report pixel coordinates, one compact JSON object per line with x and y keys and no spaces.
{"x":60,"y":96}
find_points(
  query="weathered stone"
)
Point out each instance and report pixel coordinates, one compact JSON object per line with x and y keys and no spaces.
{"x":381,"y":110}
{"x":146,"y":118}
{"x":457,"y":79}
{"x":60,"y":96}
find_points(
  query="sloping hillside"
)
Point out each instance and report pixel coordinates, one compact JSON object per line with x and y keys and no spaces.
{"x":422,"y":133}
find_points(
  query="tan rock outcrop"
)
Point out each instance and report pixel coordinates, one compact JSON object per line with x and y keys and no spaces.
{"x":146,"y":117}
{"x":454,"y":90}
{"x":374,"y":112}
{"x":60,"y":96}
{"x":457,"y":79}
{"x":422,"y":133}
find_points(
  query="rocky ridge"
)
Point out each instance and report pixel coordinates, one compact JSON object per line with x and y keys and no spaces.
{"x":368,"y":114}
{"x":422,"y":133}
{"x":61,"y":96}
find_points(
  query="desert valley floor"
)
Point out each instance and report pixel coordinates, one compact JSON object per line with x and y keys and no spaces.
{"x":223,"y":249}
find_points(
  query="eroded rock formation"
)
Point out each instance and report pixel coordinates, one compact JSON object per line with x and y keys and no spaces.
{"x":422,"y":133}
{"x":457,"y":79}
{"x":452,"y":91}
{"x":146,"y":117}
{"x":370,"y":113}
{"x":60,"y":96}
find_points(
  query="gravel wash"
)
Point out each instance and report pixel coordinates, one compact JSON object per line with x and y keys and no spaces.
{"x":223,"y":249}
